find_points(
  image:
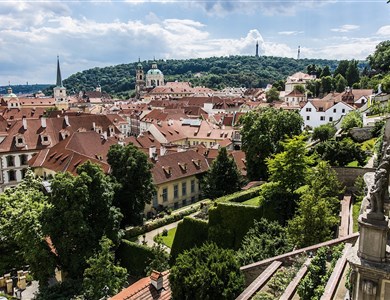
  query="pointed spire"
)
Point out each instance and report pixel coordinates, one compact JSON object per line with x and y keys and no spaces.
{"x":59,"y":79}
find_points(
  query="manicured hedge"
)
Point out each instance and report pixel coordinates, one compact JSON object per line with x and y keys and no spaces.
{"x":132,"y":232}
{"x":190,"y":232}
{"x":229,"y":222}
{"x":240,"y":196}
{"x":134,"y":257}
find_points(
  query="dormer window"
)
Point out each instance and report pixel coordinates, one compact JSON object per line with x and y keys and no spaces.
{"x":99,"y":129}
{"x":183,"y":166}
{"x":19,"y":141}
{"x":167,"y":170}
{"x":45,"y":140}
{"x":64,"y":134}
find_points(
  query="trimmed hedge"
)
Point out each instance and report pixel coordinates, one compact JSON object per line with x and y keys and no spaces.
{"x":240,"y":196}
{"x":134,"y":257}
{"x":229,"y":222}
{"x":149,"y":226}
{"x":190,"y":232}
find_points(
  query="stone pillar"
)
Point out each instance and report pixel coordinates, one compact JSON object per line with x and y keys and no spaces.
{"x":10,"y":289}
{"x":2,"y":282}
{"x":373,"y":238}
{"x":22,"y":283}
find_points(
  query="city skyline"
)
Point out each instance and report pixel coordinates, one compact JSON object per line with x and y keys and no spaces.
{"x":87,"y":34}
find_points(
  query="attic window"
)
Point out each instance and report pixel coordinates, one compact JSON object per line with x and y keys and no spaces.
{"x":99,"y":157}
{"x":19,"y":141}
{"x":167,"y":170}
{"x":52,"y":155}
{"x":183,"y":166}
{"x":196,"y":162}
{"x":208,"y":133}
{"x":77,"y":163}
{"x":45,"y":139}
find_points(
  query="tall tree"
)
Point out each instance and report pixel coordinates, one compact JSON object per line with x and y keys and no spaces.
{"x":85,"y":204}
{"x":380,"y":59}
{"x":324,"y":132}
{"x":132,"y":170}
{"x":272,"y":95}
{"x":341,"y":68}
{"x":262,"y":131}
{"x":325,"y":72}
{"x":223,"y":177}
{"x":352,"y":75}
{"x":352,"y":119}
{"x":102,"y":273}
{"x":327,"y":84}
{"x":21,"y":211}
{"x":340,"y":83}
{"x":207,"y":272}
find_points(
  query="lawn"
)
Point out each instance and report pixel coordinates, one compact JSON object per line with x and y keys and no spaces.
{"x":253,"y":201}
{"x":168,"y":240}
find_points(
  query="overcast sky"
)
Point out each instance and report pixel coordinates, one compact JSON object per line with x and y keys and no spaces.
{"x":87,"y":34}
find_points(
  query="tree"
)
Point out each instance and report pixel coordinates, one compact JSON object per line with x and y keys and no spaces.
{"x":327,"y":84}
{"x":84,"y":203}
{"x":21,"y":211}
{"x":160,"y":260}
{"x":300,"y":88}
{"x":324,"y":132}
{"x":340,"y":83}
{"x":341,"y":68}
{"x":261,"y":132}
{"x":103,"y":272}
{"x":340,"y":153}
{"x":352,"y":75}
{"x":313,"y":86}
{"x":316,"y":213}
{"x":272,"y":95}
{"x":265,"y":239}
{"x":380,"y":59}
{"x":386,"y":83}
{"x":351,"y":120}
{"x":207,"y":272}
{"x":223,"y":177}
{"x":132,"y":170}
{"x":325,"y":72}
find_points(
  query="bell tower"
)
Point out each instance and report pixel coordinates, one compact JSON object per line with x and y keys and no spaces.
{"x":139,"y":79}
{"x":59,"y":90}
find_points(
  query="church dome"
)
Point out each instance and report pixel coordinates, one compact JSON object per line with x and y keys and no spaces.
{"x":154,"y":72}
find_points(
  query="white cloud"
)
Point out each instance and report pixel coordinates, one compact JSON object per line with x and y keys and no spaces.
{"x":345,"y":28}
{"x":384,"y":31}
{"x":290,"y":32}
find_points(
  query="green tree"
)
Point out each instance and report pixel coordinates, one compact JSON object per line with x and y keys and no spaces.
{"x":352,"y":119}
{"x":300,"y":88}
{"x":84,"y":203}
{"x":103,"y":272}
{"x":380,"y":59}
{"x":386,"y":83}
{"x":341,"y":153}
{"x":262,"y":131}
{"x":316,"y":214}
{"x":207,"y":272}
{"x":160,"y":260}
{"x":324,"y":132}
{"x":325,"y":72}
{"x":272,"y":95}
{"x":352,"y":75}
{"x":223,"y":177}
{"x":132,"y":170}
{"x":21,"y":211}
{"x":313,"y":87}
{"x":340,"y":83}
{"x":265,"y":239}
{"x":327,"y":84}
{"x":341,"y":68}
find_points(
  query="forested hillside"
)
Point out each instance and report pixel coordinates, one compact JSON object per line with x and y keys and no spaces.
{"x":24,"y":88}
{"x":213,"y":72}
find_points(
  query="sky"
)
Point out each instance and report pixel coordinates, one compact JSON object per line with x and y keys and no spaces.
{"x":87,"y":34}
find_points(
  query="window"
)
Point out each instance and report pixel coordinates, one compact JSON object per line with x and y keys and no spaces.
{"x":24,"y":171}
{"x":192,"y":186}
{"x":11,"y":175}
{"x":176,"y":191}
{"x":10,"y":161}
{"x":176,"y":205}
{"x":307,"y":118}
{"x":334,"y":110}
{"x":165,"y":195}
{"x":330,"y":119}
{"x":308,"y":108}
{"x":184,"y":188}
{"x":343,"y":110}
{"x":320,"y":109}
{"x":184,"y":202}
{"x":193,"y":199}
{"x":322,"y":118}
{"x":23,"y":159}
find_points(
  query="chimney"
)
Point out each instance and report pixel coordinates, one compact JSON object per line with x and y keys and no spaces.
{"x":105,"y":135}
{"x":162,"y":150}
{"x":43,"y":122}
{"x":66,"y":118}
{"x":93,"y":125}
{"x":24,"y":122}
{"x":156,"y":280}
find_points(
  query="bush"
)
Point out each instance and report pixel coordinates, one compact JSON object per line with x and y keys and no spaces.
{"x":165,"y":232}
{"x":229,"y":222}
{"x":189,"y":234}
{"x":241,"y":196}
{"x":65,"y":290}
{"x":134,"y":257}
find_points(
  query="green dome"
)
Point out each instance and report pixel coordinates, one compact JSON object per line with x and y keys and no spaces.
{"x":154,"y":72}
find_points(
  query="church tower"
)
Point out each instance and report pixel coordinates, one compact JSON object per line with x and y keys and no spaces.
{"x":139,"y":79}
{"x":59,"y":90}
{"x":154,"y":77}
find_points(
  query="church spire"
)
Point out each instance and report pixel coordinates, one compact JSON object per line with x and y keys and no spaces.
{"x":59,"y":79}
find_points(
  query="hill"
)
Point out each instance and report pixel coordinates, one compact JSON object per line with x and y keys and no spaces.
{"x":24,"y":88}
{"x":213,"y":72}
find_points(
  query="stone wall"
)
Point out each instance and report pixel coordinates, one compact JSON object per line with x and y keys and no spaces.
{"x":347,"y":176}
{"x":361,"y":134}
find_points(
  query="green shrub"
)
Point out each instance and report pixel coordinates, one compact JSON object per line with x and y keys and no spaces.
{"x":190,"y":232}
{"x":134,"y":257}
{"x":240,"y":196}
{"x":229,"y":222}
